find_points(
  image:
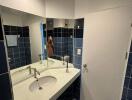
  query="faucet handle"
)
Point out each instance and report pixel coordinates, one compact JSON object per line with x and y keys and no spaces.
{"x":38,"y":72}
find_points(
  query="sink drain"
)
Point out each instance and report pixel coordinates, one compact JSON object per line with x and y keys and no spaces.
{"x":40,"y":88}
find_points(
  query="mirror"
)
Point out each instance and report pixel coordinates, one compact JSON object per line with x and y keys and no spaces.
{"x":34,"y":42}
{"x":25,"y":37}
{"x":60,"y":33}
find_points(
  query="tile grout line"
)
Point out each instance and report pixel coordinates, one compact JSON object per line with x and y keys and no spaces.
{"x":128,"y":84}
{"x":4,"y":73}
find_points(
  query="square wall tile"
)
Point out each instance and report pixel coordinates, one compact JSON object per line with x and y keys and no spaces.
{"x":77,"y":60}
{"x":5,"y":87}
{"x":26,"y":31}
{"x":3,"y":62}
{"x":77,"y":66}
{"x":78,"y":42}
{"x":129,"y":70}
{"x":7,"y":28}
{"x":7,"y":33}
{"x":129,"y":95}
{"x":130,"y":83}
{"x":126,"y":82}
{"x":14,"y":28}
{"x":79,"y":22}
{"x":78,"y":33}
{"x":130,"y":59}
{"x":124,"y":94}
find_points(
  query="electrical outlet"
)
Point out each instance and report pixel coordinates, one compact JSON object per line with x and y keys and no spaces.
{"x":79,"y":51}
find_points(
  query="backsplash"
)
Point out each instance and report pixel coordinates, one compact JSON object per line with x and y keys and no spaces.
{"x":21,"y":54}
{"x":127,"y":89}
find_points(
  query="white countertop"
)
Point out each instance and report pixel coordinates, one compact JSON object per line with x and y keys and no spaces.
{"x":20,"y":74}
{"x":21,"y":91}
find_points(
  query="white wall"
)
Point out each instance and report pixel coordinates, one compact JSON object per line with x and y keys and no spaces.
{"x":83,"y":7}
{"x":59,"y":23}
{"x":35,"y":35}
{"x":16,"y":18}
{"x":63,"y":8}
{"x":60,"y":9}
{"x":107,"y":37}
{"x":45,"y":8}
{"x":71,"y":23}
{"x":11,"y":19}
{"x":36,"y":7}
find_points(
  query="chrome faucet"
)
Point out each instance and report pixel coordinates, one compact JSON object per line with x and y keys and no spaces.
{"x":40,"y":58}
{"x":35,"y":73}
{"x":67,"y":58}
{"x":37,"y":79}
{"x":30,"y":69}
{"x":67,"y":70}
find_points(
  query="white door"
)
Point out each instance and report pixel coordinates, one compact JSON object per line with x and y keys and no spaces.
{"x":106,"y":41}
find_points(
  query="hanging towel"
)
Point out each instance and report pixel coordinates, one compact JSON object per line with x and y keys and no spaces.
{"x":11,"y":40}
{"x":50,"y":46}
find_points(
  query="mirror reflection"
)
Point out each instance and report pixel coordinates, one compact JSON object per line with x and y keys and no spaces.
{"x":25,"y":36}
{"x":35,"y":44}
{"x":43,"y":53}
{"x":60,"y":34}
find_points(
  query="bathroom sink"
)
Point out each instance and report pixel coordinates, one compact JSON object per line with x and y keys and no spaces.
{"x":45,"y":83}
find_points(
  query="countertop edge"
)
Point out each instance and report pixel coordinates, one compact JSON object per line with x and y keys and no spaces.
{"x":57,"y":94}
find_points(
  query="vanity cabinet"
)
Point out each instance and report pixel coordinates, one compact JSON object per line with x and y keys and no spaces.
{"x":72,"y":92}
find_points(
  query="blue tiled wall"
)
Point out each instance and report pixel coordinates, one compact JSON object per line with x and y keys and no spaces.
{"x":21,"y":54}
{"x":127,"y":89}
{"x":73,"y":92}
{"x":78,"y":42}
{"x":5,"y":83}
{"x":64,"y":45}
{"x":63,"y":42}
{"x":77,"y":59}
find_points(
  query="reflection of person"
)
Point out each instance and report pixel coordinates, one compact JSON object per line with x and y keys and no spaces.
{"x":50,"y":46}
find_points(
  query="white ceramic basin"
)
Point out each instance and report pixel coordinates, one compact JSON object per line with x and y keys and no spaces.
{"x":45,"y":83}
